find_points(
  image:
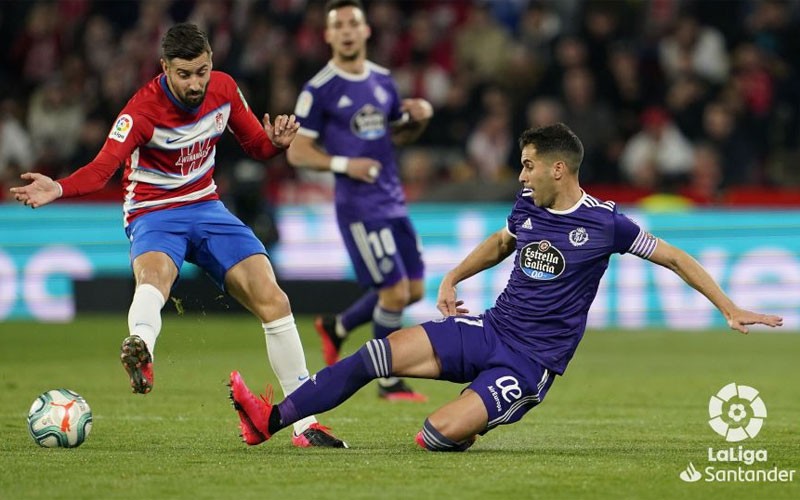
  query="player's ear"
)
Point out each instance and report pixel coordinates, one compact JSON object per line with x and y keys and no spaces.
{"x":559,"y":169}
{"x":368,"y":31}
{"x":163,"y":65}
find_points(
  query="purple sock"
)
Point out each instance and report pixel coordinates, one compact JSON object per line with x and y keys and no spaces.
{"x":385,"y":322}
{"x":332,"y":386}
{"x":360,"y":311}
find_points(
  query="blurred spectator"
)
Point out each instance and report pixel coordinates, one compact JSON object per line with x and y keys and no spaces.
{"x":774,"y":28}
{"x":386,"y":31}
{"x":693,"y":49}
{"x":625,"y":88}
{"x":452,"y":122}
{"x":657,"y":154}
{"x":212,"y":16}
{"x":589,"y":118}
{"x":428,"y":40}
{"x":309,"y":43}
{"x":37,"y":50}
{"x":686,"y":99}
{"x":753,"y":81}
{"x":16,"y":151}
{"x":720,"y":128}
{"x":538,"y":30}
{"x":705,"y":176}
{"x":482,"y":45}
{"x":601,"y":29}
{"x":55,"y":119}
{"x":570,"y":53}
{"x":489,"y":146}
{"x":98,"y":44}
{"x":544,"y":111}
{"x":419,"y":75}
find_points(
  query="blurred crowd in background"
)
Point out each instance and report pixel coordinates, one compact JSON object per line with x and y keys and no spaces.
{"x":691,"y":98}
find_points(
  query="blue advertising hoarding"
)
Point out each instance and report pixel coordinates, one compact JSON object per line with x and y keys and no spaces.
{"x":754,"y":255}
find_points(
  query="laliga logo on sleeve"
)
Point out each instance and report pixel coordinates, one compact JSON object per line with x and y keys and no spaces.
{"x":736,"y":412}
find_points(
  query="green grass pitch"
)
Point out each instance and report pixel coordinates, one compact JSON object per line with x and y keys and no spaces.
{"x":629,"y":415}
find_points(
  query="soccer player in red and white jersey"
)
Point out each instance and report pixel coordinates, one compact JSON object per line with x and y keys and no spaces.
{"x":166,"y":138}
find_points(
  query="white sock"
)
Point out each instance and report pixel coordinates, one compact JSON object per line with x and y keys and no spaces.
{"x":341,"y":331}
{"x":285,"y":353}
{"x":144,"y":316}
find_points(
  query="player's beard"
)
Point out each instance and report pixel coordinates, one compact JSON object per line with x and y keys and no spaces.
{"x":193,"y":100}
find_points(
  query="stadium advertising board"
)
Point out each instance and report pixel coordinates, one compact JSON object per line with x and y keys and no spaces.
{"x":754,"y":255}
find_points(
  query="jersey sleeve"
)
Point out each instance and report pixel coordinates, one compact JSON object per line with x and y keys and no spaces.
{"x":629,"y":237}
{"x":309,"y":111}
{"x":512,"y":221}
{"x":130,"y":130}
{"x":244,"y":125}
{"x":395,"y":113}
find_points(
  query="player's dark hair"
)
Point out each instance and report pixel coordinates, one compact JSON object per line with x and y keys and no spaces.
{"x":338,"y":4}
{"x":555,"y":140}
{"x":184,"y":41}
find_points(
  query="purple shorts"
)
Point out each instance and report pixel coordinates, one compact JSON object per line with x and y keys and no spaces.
{"x":383,"y":251}
{"x":205,"y":234}
{"x":508,"y":382}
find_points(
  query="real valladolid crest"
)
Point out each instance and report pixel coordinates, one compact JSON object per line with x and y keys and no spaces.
{"x":737,"y":413}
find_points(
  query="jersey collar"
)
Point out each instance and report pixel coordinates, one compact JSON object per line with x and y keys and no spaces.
{"x":570,"y":209}
{"x":360,"y":77}
{"x":163,"y":82}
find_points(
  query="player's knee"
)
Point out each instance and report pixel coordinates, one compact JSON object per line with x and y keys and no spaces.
{"x":441,"y":436}
{"x":415,"y":296}
{"x":395,"y":298}
{"x":416,"y":291}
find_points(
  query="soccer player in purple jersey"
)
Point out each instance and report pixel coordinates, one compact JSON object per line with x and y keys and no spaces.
{"x":561,"y":239}
{"x":351,"y":116}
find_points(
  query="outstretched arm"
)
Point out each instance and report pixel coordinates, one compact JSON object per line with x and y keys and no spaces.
{"x":693,"y":273}
{"x":488,"y":253}
{"x":90,"y":178}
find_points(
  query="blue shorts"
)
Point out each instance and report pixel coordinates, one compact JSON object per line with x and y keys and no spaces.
{"x":508,"y":382}
{"x":383,"y":251}
{"x":205,"y":234}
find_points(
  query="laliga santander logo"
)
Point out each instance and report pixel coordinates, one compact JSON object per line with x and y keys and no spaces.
{"x":736,"y":412}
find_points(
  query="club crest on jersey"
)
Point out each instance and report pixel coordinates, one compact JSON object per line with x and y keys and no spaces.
{"x":219,"y":122}
{"x":368,"y":123}
{"x":540,"y":260}
{"x":121,"y":129}
{"x":578,"y":236}
{"x":381,"y":95}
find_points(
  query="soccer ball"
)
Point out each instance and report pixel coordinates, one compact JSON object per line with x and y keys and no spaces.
{"x":59,"y":419}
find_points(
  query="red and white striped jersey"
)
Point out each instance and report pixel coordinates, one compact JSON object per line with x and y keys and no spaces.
{"x":169,"y":149}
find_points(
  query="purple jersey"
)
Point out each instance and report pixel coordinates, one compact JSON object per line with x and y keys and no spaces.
{"x":350,"y":115}
{"x":559,"y":260}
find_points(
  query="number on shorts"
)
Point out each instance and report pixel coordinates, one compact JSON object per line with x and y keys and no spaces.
{"x":382,"y":242}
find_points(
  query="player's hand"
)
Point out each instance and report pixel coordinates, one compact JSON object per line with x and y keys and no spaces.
{"x":363,"y":169}
{"x":740,"y":318}
{"x":284,"y":130}
{"x":447,"y":303}
{"x":39,"y":192}
{"x":418,"y":109}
